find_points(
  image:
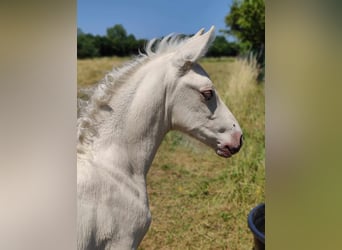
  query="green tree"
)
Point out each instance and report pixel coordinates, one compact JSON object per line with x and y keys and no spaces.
{"x":117,"y":32}
{"x":103,"y":45}
{"x":86,"y":46}
{"x":117,"y":36}
{"x":246,"y":21}
{"x":221,"y":47}
{"x":120,"y":43}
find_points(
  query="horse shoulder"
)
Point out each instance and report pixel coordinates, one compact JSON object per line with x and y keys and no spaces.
{"x":110,"y":205}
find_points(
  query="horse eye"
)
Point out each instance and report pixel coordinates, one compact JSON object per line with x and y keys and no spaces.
{"x":207,"y":94}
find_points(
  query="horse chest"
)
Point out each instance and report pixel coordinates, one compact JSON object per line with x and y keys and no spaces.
{"x":115,"y":208}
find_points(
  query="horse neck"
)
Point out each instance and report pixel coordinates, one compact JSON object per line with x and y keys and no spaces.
{"x":130,"y":136}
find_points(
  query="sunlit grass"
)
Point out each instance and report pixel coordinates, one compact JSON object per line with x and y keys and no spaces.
{"x":90,"y":71}
{"x":199,"y":200}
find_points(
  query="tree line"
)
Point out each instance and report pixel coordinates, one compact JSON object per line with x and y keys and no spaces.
{"x":117,"y":42}
{"x":245,"y":21}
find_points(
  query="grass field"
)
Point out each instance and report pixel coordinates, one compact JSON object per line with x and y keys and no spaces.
{"x":199,"y":200}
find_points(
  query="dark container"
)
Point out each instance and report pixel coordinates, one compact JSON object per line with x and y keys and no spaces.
{"x":256,"y":223}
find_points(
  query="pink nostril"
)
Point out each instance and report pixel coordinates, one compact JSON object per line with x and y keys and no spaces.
{"x":234,"y":150}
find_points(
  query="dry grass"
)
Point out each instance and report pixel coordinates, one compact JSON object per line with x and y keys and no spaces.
{"x":90,"y":71}
{"x":244,"y":74}
{"x":199,"y":200}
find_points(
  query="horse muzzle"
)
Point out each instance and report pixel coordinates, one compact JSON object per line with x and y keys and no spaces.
{"x":228,"y":149}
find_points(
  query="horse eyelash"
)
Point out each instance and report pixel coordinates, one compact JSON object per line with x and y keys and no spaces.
{"x":207,"y":94}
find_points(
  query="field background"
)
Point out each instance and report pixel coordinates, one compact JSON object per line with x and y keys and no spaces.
{"x":199,"y":200}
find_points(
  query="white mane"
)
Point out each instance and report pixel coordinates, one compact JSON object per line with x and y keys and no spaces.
{"x":166,"y":45}
{"x":100,"y":95}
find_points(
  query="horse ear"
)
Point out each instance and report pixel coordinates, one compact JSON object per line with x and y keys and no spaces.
{"x":200,"y":32}
{"x":194,"y":48}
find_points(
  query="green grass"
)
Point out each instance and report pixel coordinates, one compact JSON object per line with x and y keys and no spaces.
{"x":199,"y":200}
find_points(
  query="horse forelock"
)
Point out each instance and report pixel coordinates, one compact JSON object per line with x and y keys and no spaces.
{"x":165,"y":45}
{"x":101,"y":94}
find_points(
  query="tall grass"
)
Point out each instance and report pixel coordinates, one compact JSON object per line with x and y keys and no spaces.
{"x":199,"y":200}
{"x":244,"y":73}
{"x":90,"y":71}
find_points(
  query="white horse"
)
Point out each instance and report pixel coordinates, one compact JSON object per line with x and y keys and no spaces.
{"x":121,"y":128}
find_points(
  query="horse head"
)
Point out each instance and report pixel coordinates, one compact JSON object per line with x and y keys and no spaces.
{"x":197,"y":108}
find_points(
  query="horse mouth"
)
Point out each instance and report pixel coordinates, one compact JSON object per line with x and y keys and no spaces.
{"x":224,"y":152}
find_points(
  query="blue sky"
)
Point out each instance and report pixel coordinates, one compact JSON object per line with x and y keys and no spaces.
{"x":151,"y":18}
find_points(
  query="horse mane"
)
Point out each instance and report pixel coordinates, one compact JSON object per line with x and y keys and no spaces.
{"x":95,"y":98}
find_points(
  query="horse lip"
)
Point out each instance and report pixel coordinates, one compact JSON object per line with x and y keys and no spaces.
{"x":223,"y":152}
